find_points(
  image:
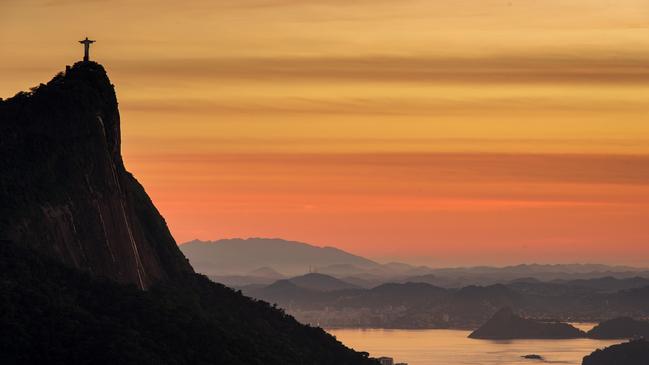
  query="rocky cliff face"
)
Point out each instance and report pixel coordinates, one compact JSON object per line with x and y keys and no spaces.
{"x":64,"y":189}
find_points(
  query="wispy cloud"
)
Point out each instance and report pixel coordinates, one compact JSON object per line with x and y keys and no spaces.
{"x":438,"y":167}
{"x":496,"y":69}
{"x":435,"y":105}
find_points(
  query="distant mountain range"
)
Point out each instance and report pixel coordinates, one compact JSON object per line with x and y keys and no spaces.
{"x":289,"y":258}
{"x":326,"y":286}
{"x":328,"y":301}
{"x":261,"y":261}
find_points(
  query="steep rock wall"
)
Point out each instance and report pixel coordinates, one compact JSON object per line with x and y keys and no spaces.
{"x":64,"y":189}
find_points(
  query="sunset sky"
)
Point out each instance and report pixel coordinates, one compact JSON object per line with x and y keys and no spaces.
{"x":446,"y":132}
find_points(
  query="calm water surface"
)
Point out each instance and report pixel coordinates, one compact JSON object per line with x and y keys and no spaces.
{"x":452,"y":347}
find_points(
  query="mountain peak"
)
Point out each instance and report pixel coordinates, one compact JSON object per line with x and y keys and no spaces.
{"x":65,"y":190}
{"x":238,"y":256}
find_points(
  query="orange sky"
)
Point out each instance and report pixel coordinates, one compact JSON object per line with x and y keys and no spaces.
{"x":440,"y":132}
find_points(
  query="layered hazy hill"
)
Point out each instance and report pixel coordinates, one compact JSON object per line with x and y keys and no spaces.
{"x":261,"y":261}
{"x":321,"y":282}
{"x":345,"y":290}
{"x":243,"y":256}
{"x":422,"y":305}
{"x":89,"y":273}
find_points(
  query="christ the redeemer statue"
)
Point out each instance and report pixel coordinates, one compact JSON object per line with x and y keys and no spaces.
{"x":86,"y":48}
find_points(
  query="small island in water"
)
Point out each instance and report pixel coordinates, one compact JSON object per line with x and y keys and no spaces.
{"x":506,"y":325}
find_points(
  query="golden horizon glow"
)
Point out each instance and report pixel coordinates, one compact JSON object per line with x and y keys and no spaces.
{"x":439,"y":132}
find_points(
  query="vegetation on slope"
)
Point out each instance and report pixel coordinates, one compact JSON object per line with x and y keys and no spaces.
{"x":50,"y":313}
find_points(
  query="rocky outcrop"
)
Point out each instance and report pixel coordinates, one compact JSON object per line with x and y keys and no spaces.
{"x":505,"y":325}
{"x":630,"y":353}
{"x":75,"y":226}
{"x":64,"y":190}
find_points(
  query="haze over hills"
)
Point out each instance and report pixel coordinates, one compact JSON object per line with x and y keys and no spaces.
{"x":289,"y":258}
{"x":349,"y":291}
{"x":241,"y":262}
{"x":321,"y":282}
{"x":422,"y":305}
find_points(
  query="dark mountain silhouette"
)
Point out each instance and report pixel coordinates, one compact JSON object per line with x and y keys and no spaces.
{"x":422,"y":305}
{"x":286,"y":293}
{"x":391,"y":294}
{"x":320,"y":282}
{"x":505,"y":325}
{"x":629,"y":353}
{"x":281,"y":289}
{"x":623,"y":327}
{"x":240,"y":256}
{"x":63,"y":187}
{"x":301,"y":288}
{"x":391,"y":305}
{"x":80,"y":238}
